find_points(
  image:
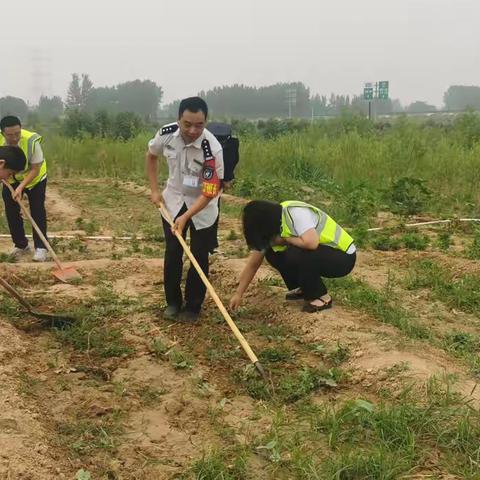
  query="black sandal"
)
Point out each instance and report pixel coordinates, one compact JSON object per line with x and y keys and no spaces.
{"x":309,"y":308}
{"x":295,"y":294}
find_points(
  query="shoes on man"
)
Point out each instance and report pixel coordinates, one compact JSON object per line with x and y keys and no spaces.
{"x":16,"y":253}
{"x":171,"y":312}
{"x":189,"y":317}
{"x":40,"y":255}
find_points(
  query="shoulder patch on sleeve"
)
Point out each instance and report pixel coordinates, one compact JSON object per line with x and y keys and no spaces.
{"x":171,"y":128}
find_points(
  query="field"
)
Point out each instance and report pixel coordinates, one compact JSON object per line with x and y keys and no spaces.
{"x":382,"y":386}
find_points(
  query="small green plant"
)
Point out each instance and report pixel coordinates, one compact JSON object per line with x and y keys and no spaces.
{"x":255,"y":386}
{"x":361,"y":236}
{"x":273,"y":332}
{"x":340,"y":354}
{"x":273,"y":355}
{"x":180,"y":360}
{"x":300,"y":384}
{"x":444,"y":240}
{"x":83,"y":475}
{"x":408,"y":195}
{"x":91,"y":332}
{"x":473,"y":251}
{"x":386,"y":242}
{"x":158,"y":347}
{"x":462,"y":342}
{"x":89,"y":227}
{"x":415,"y":241}
{"x":7,"y":258}
{"x":272,"y":281}
{"x":361,"y":203}
{"x":86,"y":436}
{"x":216,"y":465}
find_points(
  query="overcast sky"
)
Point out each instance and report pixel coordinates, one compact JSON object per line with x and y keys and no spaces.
{"x":421,"y":46}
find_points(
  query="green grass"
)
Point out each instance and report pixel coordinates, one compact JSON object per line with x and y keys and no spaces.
{"x":225,"y":464}
{"x":85,"y":436}
{"x":180,"y":360}
{"x":275,"y":354}
{"x":380,"y":304}
{"x":410,"y":167}
{"x":461,"y":292}
{"x":91,"y":331}
{"x":107,"y":207}
{"x":288,"y":386}
{"x":360,"y":439}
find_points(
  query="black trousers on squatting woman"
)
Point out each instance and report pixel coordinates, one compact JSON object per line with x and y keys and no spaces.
{"x":301,"y":268}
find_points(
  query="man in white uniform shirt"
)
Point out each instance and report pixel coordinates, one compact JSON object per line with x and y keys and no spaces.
{"x":189,"y":200}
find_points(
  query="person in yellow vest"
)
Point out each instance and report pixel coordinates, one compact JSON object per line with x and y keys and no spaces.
{"x":300,"y":241}
{"x":32,"y":181}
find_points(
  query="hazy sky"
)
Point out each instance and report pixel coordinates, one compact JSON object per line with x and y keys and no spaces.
{"x":421,"y":46}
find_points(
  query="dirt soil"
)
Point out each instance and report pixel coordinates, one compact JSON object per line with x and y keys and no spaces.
{"x":148,"y":412}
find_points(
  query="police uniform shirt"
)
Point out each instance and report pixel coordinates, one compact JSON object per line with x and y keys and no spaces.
{"x":185,"y":164}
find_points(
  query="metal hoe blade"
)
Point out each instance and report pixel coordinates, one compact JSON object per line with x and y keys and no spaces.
{"x":66,"y":274}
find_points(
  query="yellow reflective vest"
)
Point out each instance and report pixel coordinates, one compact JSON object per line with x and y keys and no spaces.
{"x":28,"y":143}
{"x":329,"y":232}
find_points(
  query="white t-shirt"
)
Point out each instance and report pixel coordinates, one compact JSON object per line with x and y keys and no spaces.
{"x":37,"y":156}
{"x":185,"y":163}
{"x":304,"y":219}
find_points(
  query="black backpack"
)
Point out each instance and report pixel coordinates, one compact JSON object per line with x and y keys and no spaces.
{"x":230,"y":145}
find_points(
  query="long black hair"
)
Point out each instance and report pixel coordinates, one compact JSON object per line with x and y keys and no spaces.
{"x":262,"y":221}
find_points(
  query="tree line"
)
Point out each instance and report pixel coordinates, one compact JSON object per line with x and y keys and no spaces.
{"x":121,"y":110}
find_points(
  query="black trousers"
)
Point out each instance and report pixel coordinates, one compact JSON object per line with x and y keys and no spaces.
{"x":36,"y":199}
{"x":202,"y":242}
{"x":305,"y":268}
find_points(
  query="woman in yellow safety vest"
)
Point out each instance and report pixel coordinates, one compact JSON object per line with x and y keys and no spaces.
{"x":300,"y":241}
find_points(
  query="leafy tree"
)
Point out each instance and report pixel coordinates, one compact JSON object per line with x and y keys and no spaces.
{"x":126,"y":125}
{"x":268,"y":101}
{"x":460,"y":97}
{"x":74,"y":94}
{"x":103,"y":98}
{"x":142,"y":97}
{"x":13,"y":106}
{"x":85,"y":90}
{"x":103,"y":123}
{"x":139,"y":96}
{"x":420,"y":107}
{"x":78,"y":123}
{"x":49,"y":108}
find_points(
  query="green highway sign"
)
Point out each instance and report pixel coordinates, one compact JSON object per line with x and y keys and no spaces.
{"x":368,"y":93}
{"x":383,"y":90}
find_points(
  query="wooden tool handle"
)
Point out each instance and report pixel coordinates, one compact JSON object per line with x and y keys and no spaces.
{"x":211,"y":290}
{"x":35,"y":226}
{"x":15,"y":294}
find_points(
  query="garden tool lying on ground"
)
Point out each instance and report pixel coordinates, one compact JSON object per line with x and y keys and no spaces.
{"x":56,"y":320}
{"x":246,"y":347}
{"x":64,"y":274}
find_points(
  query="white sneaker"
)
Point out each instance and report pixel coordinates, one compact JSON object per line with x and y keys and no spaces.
{"x":19,"y":252}
{"x":40,"y":255}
